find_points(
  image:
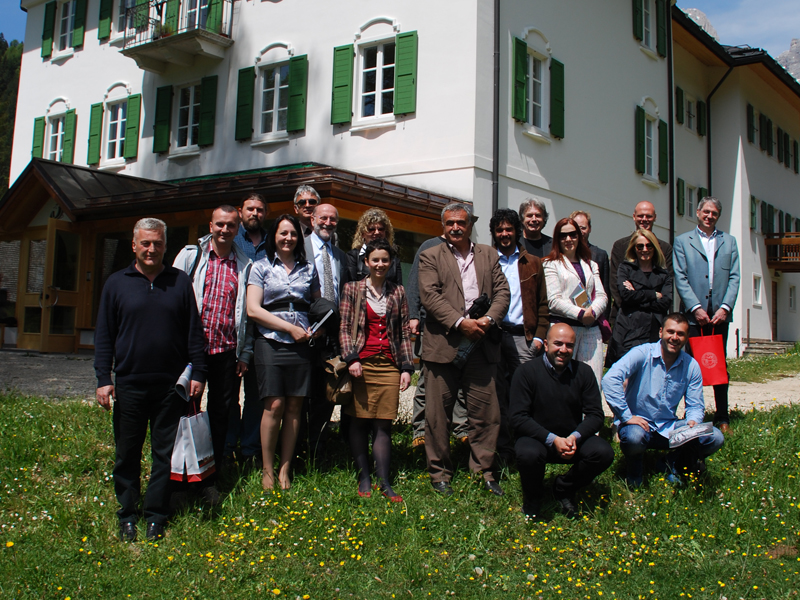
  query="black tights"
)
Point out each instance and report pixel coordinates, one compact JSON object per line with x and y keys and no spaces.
{"x":381,"y":450}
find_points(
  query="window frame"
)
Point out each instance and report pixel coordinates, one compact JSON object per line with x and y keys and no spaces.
{"x":275,"y":134}
{"x":58,"y":49}
{"x":650,"y":122}
{"x":792,"y":298}
{"x":105,"y":159}
{"x":194,"y":105}
{"x":648,"y":14}
{"x":757,"y":291}
{"x":691,"y":114}
{"x":690,"y":203}
{"x":120,"y":22}
{"x":358,"y":81}
{"x":60,"y":117}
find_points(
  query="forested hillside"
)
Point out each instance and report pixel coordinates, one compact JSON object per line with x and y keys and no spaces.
{"x":10,"y":59}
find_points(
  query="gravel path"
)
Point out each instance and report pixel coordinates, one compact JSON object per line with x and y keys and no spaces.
{"x":72,"y":376}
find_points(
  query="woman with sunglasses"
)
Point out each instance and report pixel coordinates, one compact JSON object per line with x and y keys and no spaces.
{"x":373,"y":225}
{"x":575,"y":292}
{"x":645,"y":286}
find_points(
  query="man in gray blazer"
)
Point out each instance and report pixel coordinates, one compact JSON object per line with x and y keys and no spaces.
{"x":707,"y":275}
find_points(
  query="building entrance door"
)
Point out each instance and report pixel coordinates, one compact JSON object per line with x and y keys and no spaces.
{"x":49,"y":280}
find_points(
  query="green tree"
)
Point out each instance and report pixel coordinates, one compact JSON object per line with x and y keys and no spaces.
{"x":10,"y":60}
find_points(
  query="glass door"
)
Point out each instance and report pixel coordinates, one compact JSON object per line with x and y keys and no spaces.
{"x":30,"y":297}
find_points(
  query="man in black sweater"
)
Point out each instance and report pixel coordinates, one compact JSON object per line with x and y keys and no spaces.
{"x":556,"y":411}
{"x":148,"y":330}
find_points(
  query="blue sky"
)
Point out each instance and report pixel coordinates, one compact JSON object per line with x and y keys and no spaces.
{"x":767,"y":24}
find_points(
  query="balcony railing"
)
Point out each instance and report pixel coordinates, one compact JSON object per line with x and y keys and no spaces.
{"x":158,"y":32}
{"x":783,"y":251}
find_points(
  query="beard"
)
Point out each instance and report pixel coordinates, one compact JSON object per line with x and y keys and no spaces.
{"x":251,"y":225}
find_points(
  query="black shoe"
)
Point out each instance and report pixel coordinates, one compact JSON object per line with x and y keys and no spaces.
{"x":492,"y":486}
{"x":568,"y":507}
{"x":127,"y":532}
{"x":211,"y":496}
{"x":532,"y":509}
{"x":442,"y":487}
{"x":155,"y":531}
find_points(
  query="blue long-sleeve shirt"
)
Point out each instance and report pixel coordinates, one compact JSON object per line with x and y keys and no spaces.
{"x":654,"y":393}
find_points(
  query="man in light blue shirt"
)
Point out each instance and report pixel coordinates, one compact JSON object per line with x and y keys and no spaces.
{"x":659,"y":375}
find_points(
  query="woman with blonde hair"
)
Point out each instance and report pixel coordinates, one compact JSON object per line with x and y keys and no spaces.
{"x":645,"y":286}
{"x":373,"y":225}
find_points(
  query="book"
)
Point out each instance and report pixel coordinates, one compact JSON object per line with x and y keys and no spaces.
{"x":580,"y":298}
{"x":684,"y":434}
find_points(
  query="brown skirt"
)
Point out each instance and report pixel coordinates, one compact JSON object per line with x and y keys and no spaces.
{"x":376,"y":394}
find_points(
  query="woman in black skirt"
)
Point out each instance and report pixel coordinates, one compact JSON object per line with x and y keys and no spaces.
{"x":280,"y":290}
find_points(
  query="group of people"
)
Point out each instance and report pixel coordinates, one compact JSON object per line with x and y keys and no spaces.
{"x":510,"y":340}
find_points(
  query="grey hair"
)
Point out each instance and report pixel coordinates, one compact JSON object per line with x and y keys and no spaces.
{"x":150,"y":224}
{"x":460,"y":207}
{"x":305,"y":189}
{"x":710,"y":199}
{"x":526,"y":205}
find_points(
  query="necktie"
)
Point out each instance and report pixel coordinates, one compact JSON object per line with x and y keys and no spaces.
{"x":327,"y":275}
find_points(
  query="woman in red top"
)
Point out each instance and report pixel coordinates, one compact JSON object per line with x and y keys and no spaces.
{"x":380,"y":361}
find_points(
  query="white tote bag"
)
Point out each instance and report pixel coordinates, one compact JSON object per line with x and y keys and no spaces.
{"x":193,"y":452}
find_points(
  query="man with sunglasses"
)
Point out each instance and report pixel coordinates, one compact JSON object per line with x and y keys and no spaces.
{"x":306,"y":200}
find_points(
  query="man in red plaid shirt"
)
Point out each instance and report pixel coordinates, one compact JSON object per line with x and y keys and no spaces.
{"x":219,"y":270}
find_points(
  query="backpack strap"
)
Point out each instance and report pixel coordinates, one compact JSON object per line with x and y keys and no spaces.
{"x":196,"y":262}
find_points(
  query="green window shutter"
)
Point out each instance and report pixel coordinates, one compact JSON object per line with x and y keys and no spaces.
{"x":680,"y":105}
{"x":770,"y":138}
{"x":780,"y":221}
{"x":298,"y":88}
{"x":141,"y":15}
{"x":640,"y":118}
{"x":79,"y":27}
{"x":95,"y":133}
{"x":701,"y":193}
{"x":245,"y":91}
{"x":342,"y":101}
{"x":663,"y":152}
{"x":161,"y":123}
{"x":681,"y":204}
{"x":48,"y":30}
{"x":762,"y":132}
{"x":787,"y":151}
{"x":780,"y":145}
{"x":214,"y":21}
{"x":405,"y":73}
{"x":787,"y":225}
{"x":751,"y":124}
{"x":796,"y":156}
{"x":763,"y":217}
{"x":173,"y":12}
{"x":68,"y":150}
{"x":753,"y":213}
{"x":132,"y":126}
{"x":39,"y":125}
{"x":556,"y":98}
{"x":770,"y":219}
{"x":638,"y":19}
{"x":701,"y":117}
{"x":661,"y":27}
{"x":519,"y":95}
{"x":104,"y":21}
{"x":208,"y":110}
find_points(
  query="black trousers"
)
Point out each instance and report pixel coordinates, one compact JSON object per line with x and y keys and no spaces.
{"x":593,"y":456}
{"x":136,"y":407}
{"x":721,"y":390}
{"x":318,"y":410}
{"x":223,"y":391}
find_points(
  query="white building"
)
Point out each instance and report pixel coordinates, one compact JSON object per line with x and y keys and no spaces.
{"x":391,"y":104}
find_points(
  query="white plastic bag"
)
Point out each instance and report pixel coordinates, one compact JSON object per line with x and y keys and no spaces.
{"x":193,"y":453}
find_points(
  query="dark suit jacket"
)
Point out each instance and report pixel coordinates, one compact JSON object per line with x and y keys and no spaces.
{"x":600,"y":256}
{"x":618,"y":257}
{"x":442,"y":296}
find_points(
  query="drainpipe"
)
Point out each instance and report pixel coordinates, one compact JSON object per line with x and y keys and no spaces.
{"x":671,"y":130}
{"x":496,"y":111}
{"x":708,"y":126}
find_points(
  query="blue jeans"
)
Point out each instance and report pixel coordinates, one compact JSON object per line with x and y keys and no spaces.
{"x":633,"y":441}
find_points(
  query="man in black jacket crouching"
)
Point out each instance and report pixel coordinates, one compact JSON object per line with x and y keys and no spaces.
{"x":556,"y":411}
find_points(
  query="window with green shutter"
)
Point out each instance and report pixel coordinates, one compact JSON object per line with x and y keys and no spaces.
{"x":751,"y":124}
{"x":214,"y":20}
{"x":702,"y":116}
{"x":701,"y":193}
{"x":762,"y":131}
{"x":663,"y":152}
{"x":679,"y":105}
{"x":39,"y":126}
{"x":796,"y":156}
{"x":780,"y":145}
{"x":638,"y":19}
{"x":79,"y":23}
{"x":95,"y":134}
{"x":208,"y":110}
{"x":48,"y":29}
{"x":173,"y":14}
{"x":680,"y":206}
{"x":770,"y":138}
{"x":640,"y":139}
{"x":519,"y":93}
{"x":162,"y":120}
{"x":245,"y":91}
{"x":68,"y":151}
{"x":661,"y":27}
{"x":787,"y":224}
{"x":298,"y":89}
{"x":557,"y":107}
{"x":141,"y":15}
{"x":405,"y":74}
{"x":780,"y":221}
{"x":104,"y":19}
{"x":753,"y":213}
{"x":342,"y":100}
{"x":787,"y":150}
{"x":132,"y":126}
{"x":770,"y":218}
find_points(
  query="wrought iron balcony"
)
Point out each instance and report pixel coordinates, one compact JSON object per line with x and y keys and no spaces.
{"x":162,"y":32}
{"x":783,"y":251}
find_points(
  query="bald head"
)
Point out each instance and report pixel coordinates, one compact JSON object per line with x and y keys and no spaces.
{"x":644,"y":215}
{"x":559,"y":345}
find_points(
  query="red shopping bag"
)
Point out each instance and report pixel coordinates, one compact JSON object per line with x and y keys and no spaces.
{"x":710,"y":355}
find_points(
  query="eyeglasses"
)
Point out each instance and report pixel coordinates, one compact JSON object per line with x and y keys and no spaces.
{"x":306,"y":202}
{"x":644,"y":246}
{"x":564,"y":235}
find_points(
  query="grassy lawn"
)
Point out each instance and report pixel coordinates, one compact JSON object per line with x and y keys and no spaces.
{"x":757,"y":369}
{"x":733,"y":534}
